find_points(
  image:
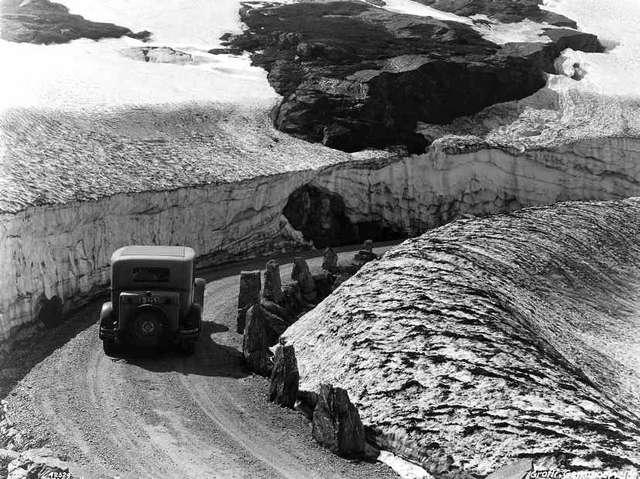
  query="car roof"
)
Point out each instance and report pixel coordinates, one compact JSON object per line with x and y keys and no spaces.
{"x":153,"y":253}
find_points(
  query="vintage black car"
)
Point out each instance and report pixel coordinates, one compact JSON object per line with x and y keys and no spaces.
{"x":155,"y":299}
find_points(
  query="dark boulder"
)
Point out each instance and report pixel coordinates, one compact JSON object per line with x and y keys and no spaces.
{"x":354,"y":76}
{"x":225,"y":51}
{"x":248,"y":295}
{"x":284,"y":377}
{"x":255,"y":343}
{"x":336,"y":423}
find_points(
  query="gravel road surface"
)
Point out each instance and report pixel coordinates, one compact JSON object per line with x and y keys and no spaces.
{"x":167,"y":416}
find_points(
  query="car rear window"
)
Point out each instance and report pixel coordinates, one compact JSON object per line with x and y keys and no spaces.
{"x":150,"y":275}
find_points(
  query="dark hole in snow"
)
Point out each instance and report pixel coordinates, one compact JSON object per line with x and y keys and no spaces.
{"x":321,"y":216}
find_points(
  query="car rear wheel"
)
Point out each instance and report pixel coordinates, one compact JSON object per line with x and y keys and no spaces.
{"x":110,"y":347}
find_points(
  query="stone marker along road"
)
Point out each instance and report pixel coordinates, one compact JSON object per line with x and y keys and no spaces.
{"x":173,"y":416}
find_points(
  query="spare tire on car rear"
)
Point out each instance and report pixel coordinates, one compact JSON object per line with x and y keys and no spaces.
{"x":148,"y":327}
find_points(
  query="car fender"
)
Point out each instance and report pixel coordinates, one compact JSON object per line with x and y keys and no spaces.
{"x":198,"y":291}
{"x":107,"y":326}
{"x":107,"y":311}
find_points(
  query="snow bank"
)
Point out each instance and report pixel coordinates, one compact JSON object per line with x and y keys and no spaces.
{"x":62,"y":250}
{"x":489,"y":340}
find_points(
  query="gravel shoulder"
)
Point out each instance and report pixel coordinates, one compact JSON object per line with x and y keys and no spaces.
{"x":170,"y":416}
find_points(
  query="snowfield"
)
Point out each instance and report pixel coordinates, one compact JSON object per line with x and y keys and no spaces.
{"x":89,"y":75}
{"x":615,"y":72}
{"x":86,"y":74}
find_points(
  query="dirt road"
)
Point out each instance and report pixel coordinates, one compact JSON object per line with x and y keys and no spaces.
{"x":172,"y":416}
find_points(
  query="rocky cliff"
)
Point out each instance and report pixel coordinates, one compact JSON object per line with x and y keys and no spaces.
{"x":491,"y":340}
{"x":353,"y":75}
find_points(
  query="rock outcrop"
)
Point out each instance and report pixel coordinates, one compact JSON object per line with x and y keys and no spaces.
{"x":490,"y":340}
{"x":43,"y":21}
{"x":283,"y":389}
{"x":354,"y":76}
{"x":336,"y":423}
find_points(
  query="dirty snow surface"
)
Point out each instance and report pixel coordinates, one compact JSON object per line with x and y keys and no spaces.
{"x":489,"y":340}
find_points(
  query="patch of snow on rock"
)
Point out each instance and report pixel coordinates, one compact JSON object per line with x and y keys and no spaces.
{"x":414,"y":8}
{"x":405,"y":469}
{"x":494,"y":31}
{"x":501,"y":33}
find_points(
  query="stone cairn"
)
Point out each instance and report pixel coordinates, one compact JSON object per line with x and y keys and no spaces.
{"x":336,"y":423}
{"x":267,"y":308}
{"x":248,"y":296}
{"x":284,"y":377}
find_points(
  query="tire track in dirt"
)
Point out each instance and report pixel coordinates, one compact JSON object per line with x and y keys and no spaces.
{"x":172,"y":416}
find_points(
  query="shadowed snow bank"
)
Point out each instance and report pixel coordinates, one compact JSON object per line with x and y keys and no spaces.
{"x":493,"y":339}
